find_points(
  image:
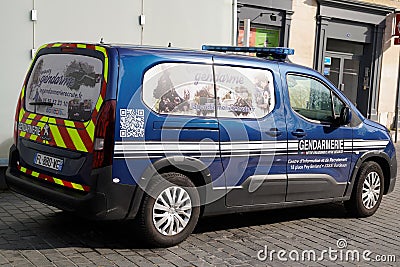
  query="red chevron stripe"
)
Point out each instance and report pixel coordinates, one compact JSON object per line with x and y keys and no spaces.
{"x":65,"y":135}
{"x":86,"y":139}
{"x":92,"y":47}
{"x":67,"y":184}
{"x":103,"y":89}
{"x":68,"y":45}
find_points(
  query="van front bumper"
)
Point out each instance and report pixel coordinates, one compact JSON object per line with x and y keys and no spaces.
{"x":393,"y":172}
{"x":105,"y":201}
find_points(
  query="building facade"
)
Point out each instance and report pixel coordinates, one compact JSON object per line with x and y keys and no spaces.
{"x":351,"y":42}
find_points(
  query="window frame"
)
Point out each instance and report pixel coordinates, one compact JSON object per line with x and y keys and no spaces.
{"x":332,"y":93}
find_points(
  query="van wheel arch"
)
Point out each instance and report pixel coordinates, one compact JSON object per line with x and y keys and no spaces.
{"x":193,"y":168}
{"x":382,"y":159}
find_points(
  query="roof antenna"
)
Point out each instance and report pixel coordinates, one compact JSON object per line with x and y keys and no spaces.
{"x":169,"y":44}
{"x":101,"y":40}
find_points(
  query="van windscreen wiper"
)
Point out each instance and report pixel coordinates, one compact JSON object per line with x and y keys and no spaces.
{"x":41,"y":103}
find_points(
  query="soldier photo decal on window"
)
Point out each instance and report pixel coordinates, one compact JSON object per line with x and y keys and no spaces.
{"x":188,"y":89}
{"x":66,"y":86}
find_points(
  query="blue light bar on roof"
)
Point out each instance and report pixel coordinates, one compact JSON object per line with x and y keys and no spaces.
{"x":278,"y":52}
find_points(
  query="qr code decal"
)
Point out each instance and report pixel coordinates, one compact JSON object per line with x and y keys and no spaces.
{"x":131,"y":123}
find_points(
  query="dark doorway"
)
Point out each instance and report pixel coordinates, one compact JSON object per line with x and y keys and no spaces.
{"x":347,"y":67}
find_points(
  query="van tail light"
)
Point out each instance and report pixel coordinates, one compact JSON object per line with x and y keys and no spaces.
{"x":104,"y":135}
{"x":16,"y":120}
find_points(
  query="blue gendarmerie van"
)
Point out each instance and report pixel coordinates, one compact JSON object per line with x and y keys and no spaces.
{"x":163,"y":136}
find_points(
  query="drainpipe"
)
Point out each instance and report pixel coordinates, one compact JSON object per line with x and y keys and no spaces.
{"x":397,"y":108}
{"x":396,"y":118}
{"x":142,"y":24}
{"x":234,"y":22}
{"x":246,"y":35}
{"x":33,"y":51}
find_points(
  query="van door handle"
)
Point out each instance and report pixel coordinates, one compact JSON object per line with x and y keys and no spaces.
{"x":299,"y":133}
{"x":274,"y":132}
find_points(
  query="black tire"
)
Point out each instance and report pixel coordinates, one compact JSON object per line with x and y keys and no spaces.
{"x":358,"y":207}
{"x":3,"y":184}
{"x":148,"y":231}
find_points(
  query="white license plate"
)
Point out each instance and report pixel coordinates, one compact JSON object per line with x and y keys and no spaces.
{"x":48,"y":162}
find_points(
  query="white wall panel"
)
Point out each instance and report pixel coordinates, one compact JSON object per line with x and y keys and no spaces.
{"x":16,"y":41}
{"x":88,"y":21}
{"x":188,"y":23}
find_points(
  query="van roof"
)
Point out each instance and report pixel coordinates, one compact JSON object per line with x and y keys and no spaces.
{"x":127,"y":48}
{"x":193,"y":52}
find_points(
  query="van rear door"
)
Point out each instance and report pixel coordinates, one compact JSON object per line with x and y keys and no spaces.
{"x":62,"y":96}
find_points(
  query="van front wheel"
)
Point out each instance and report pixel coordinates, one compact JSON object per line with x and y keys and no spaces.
{"x":169,"y":211}
{"x":367,"y":192}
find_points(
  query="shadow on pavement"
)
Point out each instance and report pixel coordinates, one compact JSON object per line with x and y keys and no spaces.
{"x":64,"y":230}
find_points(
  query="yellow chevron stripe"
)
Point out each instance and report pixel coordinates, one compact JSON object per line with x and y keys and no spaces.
{"x":76,"y":139}
{"x":99,"y":103}
{"x":22,"y":134}
{"x":44,"y":119}
{"x":41,"y":47}
{"x":90,"y":130}
{"x":77,"y":186}
{"x":58,"y":181}
{"x":31,"y":116}
{"x":56,"y":133}
{"x":35,"y":137}
{"x":23,"y":169}
{"x":81,"y":46}
{"x":57,"y":136}
{"x":21,"y":114}
{"x":104,"y":51}
{"x":35,"y":174}
{"x":57,"y":45}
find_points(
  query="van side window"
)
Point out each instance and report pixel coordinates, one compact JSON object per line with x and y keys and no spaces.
{"x":180,"y":89}
{"x":312,"y":99}
{"x":244,"y":92}
{"x":338,"y":105}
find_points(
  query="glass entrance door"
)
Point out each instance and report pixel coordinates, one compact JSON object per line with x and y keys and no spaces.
{"x":343,"y":70}
{"x":351,"y":69}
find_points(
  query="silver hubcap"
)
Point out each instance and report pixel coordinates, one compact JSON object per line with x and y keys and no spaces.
{"x":172,"y":211}
{"x":371,"y":190}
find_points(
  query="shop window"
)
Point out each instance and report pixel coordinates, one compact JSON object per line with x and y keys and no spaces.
{"x":244,"y":92}
{"x":310,"y":98}
{"x":180,"y":89}
{"x":260,"y":36}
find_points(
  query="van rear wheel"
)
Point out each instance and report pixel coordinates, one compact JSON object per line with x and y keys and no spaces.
{"x":170,"y":210}
{"x":367,"y":192}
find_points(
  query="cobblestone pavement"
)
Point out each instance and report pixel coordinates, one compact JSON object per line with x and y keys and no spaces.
{"x":34,"y":234}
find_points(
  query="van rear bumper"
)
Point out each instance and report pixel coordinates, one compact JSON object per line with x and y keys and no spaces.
{"x":105,"y":201}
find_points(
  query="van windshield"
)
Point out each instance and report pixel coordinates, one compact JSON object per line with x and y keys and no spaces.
{"x":64,"y":86}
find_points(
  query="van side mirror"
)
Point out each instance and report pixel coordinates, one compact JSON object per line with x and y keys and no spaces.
{"x":345,"y":116}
